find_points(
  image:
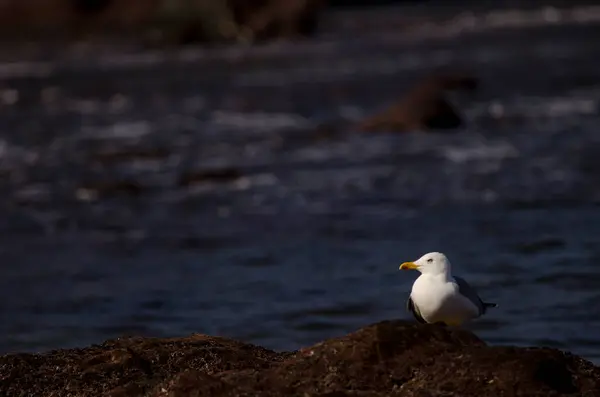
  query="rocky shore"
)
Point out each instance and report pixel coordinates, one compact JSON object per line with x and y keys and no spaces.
{"x":158,"y":23}
{"x":424,"y":106}
{"x":165,"y":22}
{"x":171,"y":22}
{"x":384,"y":359}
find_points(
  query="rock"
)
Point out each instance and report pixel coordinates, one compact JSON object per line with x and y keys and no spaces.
{"x":424,"y":107}
{"x":89,"y":6}
{"x":260,"y":20}
{"x":59,"y":18}
{"x":127,"y":366}
{"x":173,"y":21}
{"x":388,"y":358}
{"x":369,"y":3}
{"x":242,"y":20}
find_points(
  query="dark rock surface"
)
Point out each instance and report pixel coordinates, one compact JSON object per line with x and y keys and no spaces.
{"x":424,"y":106}
{"x":268,"y":19}
{"x":370,"y":3}
{"x":388,"y":358}
{"x":175,"y":21}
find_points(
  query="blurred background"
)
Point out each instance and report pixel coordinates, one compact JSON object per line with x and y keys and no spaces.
{"x":234,"y":168}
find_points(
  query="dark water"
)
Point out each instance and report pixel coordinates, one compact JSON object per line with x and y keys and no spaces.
{"x":99,"y":238}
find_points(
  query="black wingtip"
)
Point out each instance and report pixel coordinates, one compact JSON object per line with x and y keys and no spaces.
{"x":489,"y":304}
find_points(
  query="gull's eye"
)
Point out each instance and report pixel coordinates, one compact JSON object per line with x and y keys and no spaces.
{"x":429,"y":260}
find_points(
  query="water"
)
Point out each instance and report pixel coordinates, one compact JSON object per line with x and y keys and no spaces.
{"x":302,"y":236}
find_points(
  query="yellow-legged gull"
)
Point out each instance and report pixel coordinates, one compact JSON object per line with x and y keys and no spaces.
{"x":438,"y":297}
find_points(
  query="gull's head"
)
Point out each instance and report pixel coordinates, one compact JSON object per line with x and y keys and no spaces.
{"x":431,"y":263}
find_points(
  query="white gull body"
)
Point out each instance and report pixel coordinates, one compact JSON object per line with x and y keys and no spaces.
{"x":438,"y":297}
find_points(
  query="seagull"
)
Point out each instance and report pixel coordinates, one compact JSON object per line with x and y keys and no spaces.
{"x":438,"y":297}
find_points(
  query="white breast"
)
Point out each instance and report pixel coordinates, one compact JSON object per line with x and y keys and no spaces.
{"x":439,"y":300}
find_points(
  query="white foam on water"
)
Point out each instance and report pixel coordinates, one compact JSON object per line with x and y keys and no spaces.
{"x":125,"y":130}
{"x":242,"y":184}
{"x":479,"y":151}
{"x":565,"y":106}
{"x":11,"y":155}
{"x":328,"y":70}
{"x":128,"y":60}
{"x":543,"y":107}
{"x":260,"y":120}
{"x":147,"y":165}
{"x":13,"y":70}
{"x":33,"y":193}
{"x":9,"y":97}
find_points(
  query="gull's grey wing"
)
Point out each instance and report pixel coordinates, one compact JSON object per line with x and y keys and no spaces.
{"x":410,"y":305}
{"x":470,"y":293}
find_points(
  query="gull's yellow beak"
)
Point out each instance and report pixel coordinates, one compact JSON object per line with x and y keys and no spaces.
{"x":408,"y":266}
